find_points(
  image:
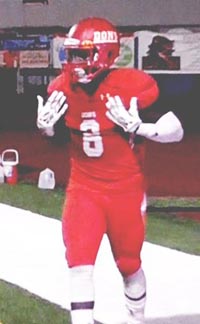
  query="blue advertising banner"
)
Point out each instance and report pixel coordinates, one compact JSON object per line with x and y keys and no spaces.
{"x":26,"y":44}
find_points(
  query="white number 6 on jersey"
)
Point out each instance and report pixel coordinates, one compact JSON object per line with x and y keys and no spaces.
{"x":92,"y":140}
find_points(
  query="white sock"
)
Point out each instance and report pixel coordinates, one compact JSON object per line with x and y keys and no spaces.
{"x":82,"y":294}
{"x":135,"y":296}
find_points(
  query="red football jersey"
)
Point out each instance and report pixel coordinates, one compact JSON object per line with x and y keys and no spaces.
{"x":101,"y":156}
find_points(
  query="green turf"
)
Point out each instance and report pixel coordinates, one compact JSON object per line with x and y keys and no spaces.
{"x":18,"y":306}
{"x":27,"y":196}
{"x":180,"y":233}
{"x":174,"y":201}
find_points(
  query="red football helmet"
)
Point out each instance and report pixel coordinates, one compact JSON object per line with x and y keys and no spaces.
{"x":91,"y":46}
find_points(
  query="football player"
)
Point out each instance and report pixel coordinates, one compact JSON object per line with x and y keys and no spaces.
{"x":101,"y":107}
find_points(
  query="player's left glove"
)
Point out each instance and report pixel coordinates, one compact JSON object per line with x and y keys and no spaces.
{"x":50,"y":112}
{"x":129,"y":119}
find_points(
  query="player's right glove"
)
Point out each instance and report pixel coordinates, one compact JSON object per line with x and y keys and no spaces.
{"x":129,"y":119}
{"x":167,"y":129}
{"x":50,"y":112}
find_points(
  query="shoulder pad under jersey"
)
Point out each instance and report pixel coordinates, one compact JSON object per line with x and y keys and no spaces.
{"x":60,"y":83}
{"x":137,"y":83}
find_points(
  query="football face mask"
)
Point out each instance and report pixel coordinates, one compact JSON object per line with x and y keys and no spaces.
{"x":80,"y":64}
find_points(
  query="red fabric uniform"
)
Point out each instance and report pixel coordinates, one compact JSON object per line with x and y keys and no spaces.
{"x":106,"y":183}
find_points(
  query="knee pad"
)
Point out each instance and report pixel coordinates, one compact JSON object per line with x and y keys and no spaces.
{"x":128,"y":266}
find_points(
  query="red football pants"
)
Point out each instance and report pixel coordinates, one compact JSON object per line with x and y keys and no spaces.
{"x":87,"y":215}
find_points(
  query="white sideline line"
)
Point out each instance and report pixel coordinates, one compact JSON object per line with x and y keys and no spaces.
{"x":32,"y":257}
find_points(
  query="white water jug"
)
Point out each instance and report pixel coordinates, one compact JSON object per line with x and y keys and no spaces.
{"x":46,"y":179}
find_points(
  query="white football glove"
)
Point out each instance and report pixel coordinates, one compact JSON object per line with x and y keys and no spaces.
{"x":50,"y":112}
{"x":129,"y":120}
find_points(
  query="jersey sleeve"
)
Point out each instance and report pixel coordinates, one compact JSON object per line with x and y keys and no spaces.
{"x":146,"y":88}
{"x":137,"y":83}
{"x":149,"y":92}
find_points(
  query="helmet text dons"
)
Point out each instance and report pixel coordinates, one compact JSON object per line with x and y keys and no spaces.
{"x":105,"y":36}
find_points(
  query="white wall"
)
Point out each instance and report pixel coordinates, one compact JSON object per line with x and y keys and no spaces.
{"x":122,"y":12}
